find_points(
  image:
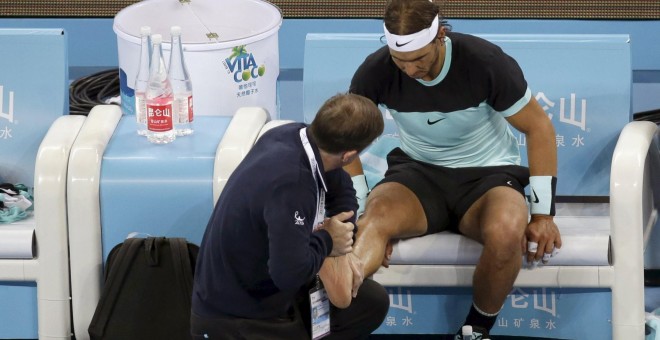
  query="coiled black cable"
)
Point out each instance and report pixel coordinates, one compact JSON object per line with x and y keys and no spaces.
{"x":92,"y":90}
{"x":651,"y":116}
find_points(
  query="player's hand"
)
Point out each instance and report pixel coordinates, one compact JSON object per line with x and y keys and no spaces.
{"x":388,"y":253}
{"x":542,"y":240}
{"x":358,"y":272}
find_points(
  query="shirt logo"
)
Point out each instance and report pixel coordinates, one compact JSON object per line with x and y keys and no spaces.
{"x":298,"y":220}
{"x":429,"y":122}
{"x":404,"y":44}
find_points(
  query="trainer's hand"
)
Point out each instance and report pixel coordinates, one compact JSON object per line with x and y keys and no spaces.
{"x":358,"y":272}
{"x":341,"y":233}
{"x":542,"y":240}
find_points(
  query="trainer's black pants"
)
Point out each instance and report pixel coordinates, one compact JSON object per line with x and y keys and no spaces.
{"x":360,"y":319}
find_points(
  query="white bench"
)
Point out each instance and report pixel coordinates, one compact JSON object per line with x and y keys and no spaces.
{"x":623,"y":275}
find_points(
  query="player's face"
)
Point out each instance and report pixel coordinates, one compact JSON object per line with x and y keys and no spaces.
{"x":419,"y":64}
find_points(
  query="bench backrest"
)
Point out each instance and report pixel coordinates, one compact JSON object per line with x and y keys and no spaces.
{"x":583,"y":82}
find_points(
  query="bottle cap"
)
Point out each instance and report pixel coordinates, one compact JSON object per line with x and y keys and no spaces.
{"x":175,"y":30}
{"x":156,"y":39}
{"x":145,"y":30}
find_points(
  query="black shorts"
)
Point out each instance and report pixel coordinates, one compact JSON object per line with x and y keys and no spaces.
{"x":447,"y":193}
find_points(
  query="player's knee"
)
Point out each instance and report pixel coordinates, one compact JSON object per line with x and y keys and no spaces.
{"x":379,"y":205}
{"x":506,"y":227}
{"x":504,"y":240}
{"x":378,"y":212}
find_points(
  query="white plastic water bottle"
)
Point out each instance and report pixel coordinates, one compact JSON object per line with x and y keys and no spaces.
{"x":467,"y":332}
{"x":160,"y":122}
{"x":181,"y":86}
{"x":142,"y":80}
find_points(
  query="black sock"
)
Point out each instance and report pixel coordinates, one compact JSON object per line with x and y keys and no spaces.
{"x":476,"y":318}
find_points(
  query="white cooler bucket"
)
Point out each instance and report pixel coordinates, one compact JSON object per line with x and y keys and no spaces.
{"x":230,"y":48}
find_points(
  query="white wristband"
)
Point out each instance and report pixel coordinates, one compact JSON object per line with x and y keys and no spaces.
{"x":542,"y":195}
{"x":361,"y":191}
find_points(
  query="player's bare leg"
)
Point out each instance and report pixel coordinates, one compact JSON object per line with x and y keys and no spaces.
{"x":392,"y":211}
{"x":498,"y":221}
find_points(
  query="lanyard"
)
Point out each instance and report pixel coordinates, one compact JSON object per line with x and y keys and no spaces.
{"x":320,"y":304}
{"x":320,"y":200}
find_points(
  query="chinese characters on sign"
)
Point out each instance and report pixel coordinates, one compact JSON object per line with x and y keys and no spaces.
{"x":247,"y":89}
{"x":398,"y":301}
{"x":570,"y":116}
{"x":5,"y":131}
{"x":403,"y":302}
{"x":540,"y":300}
{"x":539,"y":304}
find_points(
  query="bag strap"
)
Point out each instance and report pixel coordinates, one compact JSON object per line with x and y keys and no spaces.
{"x":113,"y":284}
{"x":182,"y":267}
{"x":152,"y":250}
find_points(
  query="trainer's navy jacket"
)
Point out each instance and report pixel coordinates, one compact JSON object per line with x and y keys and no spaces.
{"x":259,"y":249}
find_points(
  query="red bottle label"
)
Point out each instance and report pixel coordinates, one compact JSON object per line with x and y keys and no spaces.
{"x":190,"y":109}
{"x":159,"y":118}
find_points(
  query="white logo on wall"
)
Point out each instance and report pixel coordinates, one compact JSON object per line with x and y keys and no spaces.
{"x":400,"y":300}
{"x":571,"y":112}
{"x":403,"y":301}
{"x":568,"y":114}
{"x":542,"y":300}
{"x":298,"y":220}
{"x":5,"y":131}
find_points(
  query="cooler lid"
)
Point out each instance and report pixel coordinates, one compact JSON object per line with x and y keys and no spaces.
{"x":205,"y":24}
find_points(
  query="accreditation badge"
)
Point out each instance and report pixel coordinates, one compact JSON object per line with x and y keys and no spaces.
{"x":320,"y":309}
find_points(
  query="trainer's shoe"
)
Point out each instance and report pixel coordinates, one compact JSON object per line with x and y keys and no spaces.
{"x":472,"y":333}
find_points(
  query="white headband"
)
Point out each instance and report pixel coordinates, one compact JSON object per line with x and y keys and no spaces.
{"x":412,"y":42}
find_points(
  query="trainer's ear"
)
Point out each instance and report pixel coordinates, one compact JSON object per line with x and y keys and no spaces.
{"x":348,"y":157}
{"x":442,"y":33}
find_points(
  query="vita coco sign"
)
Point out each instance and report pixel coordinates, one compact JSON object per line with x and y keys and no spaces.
{"x":243,"y":65}
{"x":6,"y":114}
